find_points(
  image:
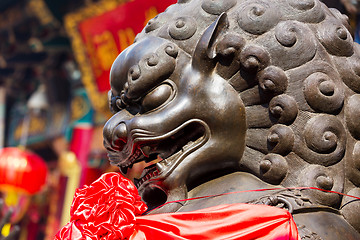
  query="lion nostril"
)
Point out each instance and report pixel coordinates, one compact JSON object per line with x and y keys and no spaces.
{"x":120,"y":136}
{"x":118,"y":144}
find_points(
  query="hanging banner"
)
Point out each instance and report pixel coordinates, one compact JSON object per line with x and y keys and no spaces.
{"x":100,"y":32}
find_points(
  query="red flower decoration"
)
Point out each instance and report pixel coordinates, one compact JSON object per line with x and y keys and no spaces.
{"x":104,"y":210}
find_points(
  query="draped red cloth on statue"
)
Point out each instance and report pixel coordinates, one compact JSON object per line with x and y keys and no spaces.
{"x":223,"y":222}
{"x":110,"y":209}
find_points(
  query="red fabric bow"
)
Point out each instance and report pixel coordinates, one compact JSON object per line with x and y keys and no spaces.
{"x":109,"y":209}
{"x":104,"y":210}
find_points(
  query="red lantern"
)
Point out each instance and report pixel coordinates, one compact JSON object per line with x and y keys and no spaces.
{"x":21,"y":170}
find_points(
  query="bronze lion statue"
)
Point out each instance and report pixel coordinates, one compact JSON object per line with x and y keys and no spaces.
{"x":221,"y":96}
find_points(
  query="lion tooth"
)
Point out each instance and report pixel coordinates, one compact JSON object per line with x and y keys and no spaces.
{"x":160,"y":166}
{"x":167,"y":162}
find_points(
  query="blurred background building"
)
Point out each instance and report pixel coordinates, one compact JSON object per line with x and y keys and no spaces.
{"x":55,"y":57}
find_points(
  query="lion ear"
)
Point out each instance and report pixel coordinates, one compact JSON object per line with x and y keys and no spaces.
{"x":204,"y":54}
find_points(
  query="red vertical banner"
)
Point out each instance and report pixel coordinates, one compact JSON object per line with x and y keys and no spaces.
{"x":80,"y":146}
{"x":100,"y":32}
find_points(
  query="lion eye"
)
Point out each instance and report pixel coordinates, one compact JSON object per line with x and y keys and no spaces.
{"x":156,"y":97}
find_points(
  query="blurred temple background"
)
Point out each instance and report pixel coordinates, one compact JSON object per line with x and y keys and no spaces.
{"x":55,"y":57}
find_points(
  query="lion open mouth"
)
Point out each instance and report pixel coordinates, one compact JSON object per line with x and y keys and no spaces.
{"x":161,"y":153}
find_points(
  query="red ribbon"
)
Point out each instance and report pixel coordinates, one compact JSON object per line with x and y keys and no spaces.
{"x":257,"y":190}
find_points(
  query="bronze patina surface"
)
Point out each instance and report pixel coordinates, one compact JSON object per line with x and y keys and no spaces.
{"x":222,"y":96}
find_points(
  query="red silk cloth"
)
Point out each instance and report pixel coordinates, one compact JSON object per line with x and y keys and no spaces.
{"x":110,"y":209}
{"x":223,"y":222}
